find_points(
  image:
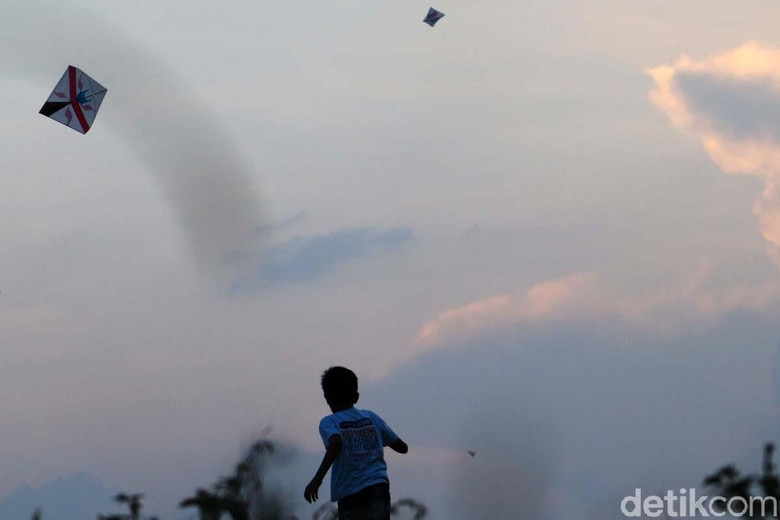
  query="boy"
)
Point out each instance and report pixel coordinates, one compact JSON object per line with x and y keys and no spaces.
{"x":353,"y":440}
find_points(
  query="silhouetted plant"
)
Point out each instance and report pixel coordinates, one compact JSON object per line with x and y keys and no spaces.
{"x":134,"y":505}
{"x":729,"y":483}
{"x":212,"y":505}
{"x":241,"y":495}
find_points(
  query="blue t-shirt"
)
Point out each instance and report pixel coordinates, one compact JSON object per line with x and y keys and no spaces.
{"x":361,"y":462}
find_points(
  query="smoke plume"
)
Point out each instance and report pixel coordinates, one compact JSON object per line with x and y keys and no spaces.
{"x":157,"y":115}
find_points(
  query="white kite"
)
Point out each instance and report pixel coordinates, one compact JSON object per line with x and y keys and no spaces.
{"x":75,"y":100}
{"x":433,"y":16}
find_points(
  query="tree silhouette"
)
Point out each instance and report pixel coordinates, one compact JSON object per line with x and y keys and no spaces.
{"x":241,"y":495}
{"x":134,"y":505}
{"x":212,"y":505}
{"x":729,"y":483}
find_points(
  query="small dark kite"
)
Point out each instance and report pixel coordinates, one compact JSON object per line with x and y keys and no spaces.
{"x":433,"y":16}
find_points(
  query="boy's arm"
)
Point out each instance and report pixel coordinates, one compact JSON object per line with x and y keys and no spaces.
{"x":333,"y":450}
{"x":399,"y":446}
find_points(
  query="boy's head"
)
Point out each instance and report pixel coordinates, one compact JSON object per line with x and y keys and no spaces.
{"x":340,"y":386}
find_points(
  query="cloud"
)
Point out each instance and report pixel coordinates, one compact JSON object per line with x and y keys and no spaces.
{"x":540,"y":301}
{"x":545,"y":395}
{"x":510,"y":472}
{"x":307,"y":259}
{"x":282,"y":225}
{"x":731,"y":103}
{"x":588,"y":296}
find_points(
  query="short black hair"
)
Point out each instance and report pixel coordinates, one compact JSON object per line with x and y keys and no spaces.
{"x":340,"y":385}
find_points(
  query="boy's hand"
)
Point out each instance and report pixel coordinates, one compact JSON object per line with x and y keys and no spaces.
{"x":399,"y":446}
{"x":310,"y":493}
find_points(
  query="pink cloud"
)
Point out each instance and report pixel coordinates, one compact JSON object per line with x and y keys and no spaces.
{"x":586,"y":296}
{"x":543,"y":300}
{"x":730,"y":102}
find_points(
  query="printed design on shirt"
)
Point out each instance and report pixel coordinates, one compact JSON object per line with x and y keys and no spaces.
{"x":361,"y":441}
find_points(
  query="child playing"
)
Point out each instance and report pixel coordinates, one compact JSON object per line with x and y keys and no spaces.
{"x":353,"y":440}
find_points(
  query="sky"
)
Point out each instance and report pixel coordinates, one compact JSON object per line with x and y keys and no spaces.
{"x":545,"y":232}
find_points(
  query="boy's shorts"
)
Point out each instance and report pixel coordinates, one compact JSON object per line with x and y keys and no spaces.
{"x":370,"y":503}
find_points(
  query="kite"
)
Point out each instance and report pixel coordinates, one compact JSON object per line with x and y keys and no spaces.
{"x":433,"y":16}
{"x":75,"y":100}
{"x":472,"y":453}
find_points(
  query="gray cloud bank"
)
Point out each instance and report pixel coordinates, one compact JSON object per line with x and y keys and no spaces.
{"x":568,"y":417}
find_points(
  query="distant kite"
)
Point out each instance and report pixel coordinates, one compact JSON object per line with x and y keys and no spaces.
{"x":472,"y":453}
{"x":433,"y":16}
{"x":75,"y":100}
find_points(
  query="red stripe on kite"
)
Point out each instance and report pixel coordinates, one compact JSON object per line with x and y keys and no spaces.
{"x":72,"y":78}
{"x":80,"y":116}
{"x":73,"y":96}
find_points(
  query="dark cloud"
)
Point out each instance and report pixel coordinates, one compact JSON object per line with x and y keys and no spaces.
{"x":742,"y":108}
{"x":587,"y":411}
{"x":306,"y":259}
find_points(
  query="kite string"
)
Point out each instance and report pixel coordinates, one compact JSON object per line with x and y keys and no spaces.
{"x":129,"y":52}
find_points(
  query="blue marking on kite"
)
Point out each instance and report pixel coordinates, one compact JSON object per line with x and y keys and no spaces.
{"x":82,"y":97}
